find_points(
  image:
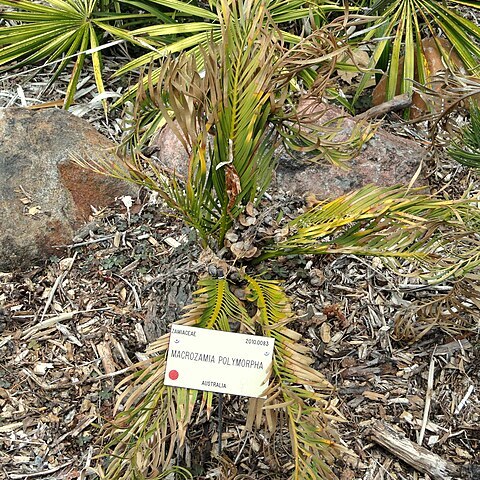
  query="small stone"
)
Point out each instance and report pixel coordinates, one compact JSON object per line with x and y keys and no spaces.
{"x":212,"y":270}
{"x":41,"y":368}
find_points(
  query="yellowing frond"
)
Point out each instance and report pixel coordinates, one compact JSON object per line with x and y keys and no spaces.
{"x":151,"y":419}
{"x":295,"y":387}
{"x":216,"y":305}
{"x":438,"y":235}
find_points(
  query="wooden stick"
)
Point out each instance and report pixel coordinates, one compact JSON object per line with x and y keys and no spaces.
{"x":396,"y":103}
{"x":419,"y":457}
{"x":49,"y":322}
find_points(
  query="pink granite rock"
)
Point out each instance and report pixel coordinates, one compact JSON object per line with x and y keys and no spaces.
{"x":385,"y":160}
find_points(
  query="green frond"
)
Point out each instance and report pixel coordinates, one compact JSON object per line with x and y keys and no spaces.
{"x":243,"y":142}
{"x":273,"y":305}
{"x":438,"y":235}
{"x":59,"y":32}
{"x":292,"y":360}
{"x":216,"y":305}
{"x":403,"y":24}
{"x":465,"y":149}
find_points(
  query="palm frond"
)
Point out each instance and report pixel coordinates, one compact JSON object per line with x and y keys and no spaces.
{"x":216,"y":305}
{"x":465,"y":149}
{"x":439,"y":235}
{"x":407,"y":22}
{"x":58,"y":31}
{"x":228,"y":112}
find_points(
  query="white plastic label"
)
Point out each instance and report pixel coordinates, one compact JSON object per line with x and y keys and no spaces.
{"x":218,"y":361}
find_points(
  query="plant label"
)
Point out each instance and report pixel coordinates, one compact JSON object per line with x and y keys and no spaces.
{"x":217,"y":361}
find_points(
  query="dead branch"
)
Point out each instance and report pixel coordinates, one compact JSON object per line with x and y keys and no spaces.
{"x":419,"y":457}
{"x":396,"y":103}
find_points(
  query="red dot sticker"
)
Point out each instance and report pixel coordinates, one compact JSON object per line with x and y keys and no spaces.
{"x":173,"y":374}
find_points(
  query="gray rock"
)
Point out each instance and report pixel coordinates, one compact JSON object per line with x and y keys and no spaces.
{"x":44,"y":196}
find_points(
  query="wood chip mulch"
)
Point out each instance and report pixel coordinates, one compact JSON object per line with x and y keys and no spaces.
{"x":70,"y":327}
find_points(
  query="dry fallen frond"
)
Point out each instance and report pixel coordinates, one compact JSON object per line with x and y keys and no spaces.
{"x":451,"y":310}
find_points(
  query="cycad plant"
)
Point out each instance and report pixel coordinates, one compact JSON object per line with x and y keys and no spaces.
{"x":397,"y":30}
{"x":228,"y":115}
